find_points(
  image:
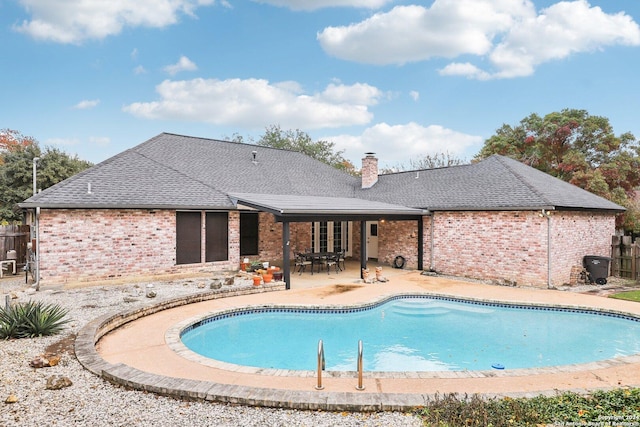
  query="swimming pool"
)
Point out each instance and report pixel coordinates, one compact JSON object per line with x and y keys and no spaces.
{"x":414,"y":333}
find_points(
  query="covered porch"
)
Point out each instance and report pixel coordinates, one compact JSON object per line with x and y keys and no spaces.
{"x":288,"y":209}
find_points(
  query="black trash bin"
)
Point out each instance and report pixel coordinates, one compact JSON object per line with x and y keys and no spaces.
{"x":597,"y":268}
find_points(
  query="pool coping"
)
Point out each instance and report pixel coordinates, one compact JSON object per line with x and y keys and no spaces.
{"x":191,"y":389}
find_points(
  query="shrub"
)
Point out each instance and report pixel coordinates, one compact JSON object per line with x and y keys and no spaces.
{"x":613,"y":407}
{"x":32,"y":319}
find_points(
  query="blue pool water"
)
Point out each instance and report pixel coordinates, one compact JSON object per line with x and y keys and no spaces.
{"x":415,"y":334}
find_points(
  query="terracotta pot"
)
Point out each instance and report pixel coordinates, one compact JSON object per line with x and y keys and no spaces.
{"x":257,"y":280}
{"x":267,"y":277}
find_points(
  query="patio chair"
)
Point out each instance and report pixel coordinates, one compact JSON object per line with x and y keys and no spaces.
{"x":340,"y":258}
{"x":301,"y":263}
{"x":332,"y":260}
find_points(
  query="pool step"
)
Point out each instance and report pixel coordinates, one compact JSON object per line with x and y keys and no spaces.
{"x":416,"y":308}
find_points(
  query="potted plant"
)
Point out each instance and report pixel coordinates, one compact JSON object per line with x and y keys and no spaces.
{"x":257,"y":280}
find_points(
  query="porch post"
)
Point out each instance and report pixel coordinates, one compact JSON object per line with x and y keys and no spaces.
{"x":286,"y":258}
{"x":363,"y":247}
{"x":420,"y":243}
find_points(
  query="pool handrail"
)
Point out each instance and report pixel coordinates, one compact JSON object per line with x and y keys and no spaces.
{"x":321,"y":365}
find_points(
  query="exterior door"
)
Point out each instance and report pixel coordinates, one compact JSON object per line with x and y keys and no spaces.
{"x":372,"y":239}
{"x":330,"y":236}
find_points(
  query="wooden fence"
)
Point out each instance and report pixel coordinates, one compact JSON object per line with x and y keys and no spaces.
{"x":625,"y":258}
{"x":14,"y":237}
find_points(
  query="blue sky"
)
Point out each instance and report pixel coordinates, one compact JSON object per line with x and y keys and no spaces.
{"x":399,"y":78}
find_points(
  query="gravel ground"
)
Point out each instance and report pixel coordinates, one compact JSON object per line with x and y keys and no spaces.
{"x":90,"y":401}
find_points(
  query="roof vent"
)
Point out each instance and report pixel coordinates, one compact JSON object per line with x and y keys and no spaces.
{"x":89,"y":188}
{"x":254,"y":161}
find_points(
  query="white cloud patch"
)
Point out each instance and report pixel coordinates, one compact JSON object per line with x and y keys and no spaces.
{"x":183,"y":64}
{"x":73,"y":21}
{"x":319,"y":4}
{"x":510,"y":34}
{"x":62,"y":142}
{"x":139,"y":70}
{"x":257,"y":103}
{"x":415,"y":95}
{"x":100,"y":141}
{"x":397,"y":144}
{"x":87,"y":104}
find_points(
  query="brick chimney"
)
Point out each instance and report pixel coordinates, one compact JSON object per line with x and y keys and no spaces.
{"x":369,"y":170}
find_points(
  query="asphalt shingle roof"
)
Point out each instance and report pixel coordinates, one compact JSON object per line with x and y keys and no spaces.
{"x":495,"y":183}
{"x":181,"y":172}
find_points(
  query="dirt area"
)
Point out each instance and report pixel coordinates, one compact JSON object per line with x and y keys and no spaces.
{"x":65,"y":345}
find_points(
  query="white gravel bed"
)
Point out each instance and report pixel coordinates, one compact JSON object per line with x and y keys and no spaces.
{"x":91,"y":401}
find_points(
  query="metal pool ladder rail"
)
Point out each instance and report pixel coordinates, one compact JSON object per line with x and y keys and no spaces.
{"x":360,"y":386}
{"x":321,"y":365}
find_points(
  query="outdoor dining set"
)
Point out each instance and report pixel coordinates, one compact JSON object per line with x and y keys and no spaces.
{"x":320,"y":261}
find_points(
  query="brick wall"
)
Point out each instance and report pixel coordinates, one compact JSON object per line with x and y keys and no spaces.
{"x":512,"y":246}
{"x":270,"y":238}
{"x":87,"y":245}
{"x":491,"y":245}
{"x":574,"y":235}
{"x":398,"y":238}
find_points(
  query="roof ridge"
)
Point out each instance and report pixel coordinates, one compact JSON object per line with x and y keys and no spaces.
{"x":427,"y":169}
{"x":521,"y":178}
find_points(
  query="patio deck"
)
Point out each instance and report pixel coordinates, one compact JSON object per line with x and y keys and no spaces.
{"x":137,"y":354}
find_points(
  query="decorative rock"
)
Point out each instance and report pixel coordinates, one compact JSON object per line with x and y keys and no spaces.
{"x":216,"y":284}
{"x":151,"y":294}
{"x":229,"y":281}
{"x":12,"y":398}
{"x":43,"y":361}
{"x":54,"y":360}
{"x":39,"y":362}
{"x":130,"y":299}
{"x":200,"y":285}
{"x":57,"y":382}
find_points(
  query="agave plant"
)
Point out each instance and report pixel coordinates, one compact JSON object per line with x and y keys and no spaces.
{"x":32,"y":319}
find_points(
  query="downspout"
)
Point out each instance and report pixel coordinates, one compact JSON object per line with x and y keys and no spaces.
{"x":36,"y":233}
{"x":37,"y":250}
{"x":547,"y":215}
{"x":432,"y":246}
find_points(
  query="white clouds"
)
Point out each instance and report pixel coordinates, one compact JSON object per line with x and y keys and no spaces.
{"x":139,"y":70}
{"x":183,"y":64}
{"x":100,"y":141}
{"x":415,"y":95}
{"x":395,"y":144}
{"x":510,"y":34}
{"x":257,"y":103}
{"x":73,"y":21}
{"x":87,"y":104}
{"x":318,"y":4}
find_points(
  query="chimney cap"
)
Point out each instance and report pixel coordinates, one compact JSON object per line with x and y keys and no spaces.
{"x":370,"y":154}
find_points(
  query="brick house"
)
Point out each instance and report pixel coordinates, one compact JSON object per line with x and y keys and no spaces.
{"x":180,"y":204}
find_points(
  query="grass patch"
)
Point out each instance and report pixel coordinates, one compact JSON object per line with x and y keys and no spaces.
{"x":606,"y":408}
{"x":627,"y":295}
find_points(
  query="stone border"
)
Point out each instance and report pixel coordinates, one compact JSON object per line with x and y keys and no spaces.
{"x":181,"y":388}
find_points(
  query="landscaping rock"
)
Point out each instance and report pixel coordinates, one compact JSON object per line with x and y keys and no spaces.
{"x":57,"y":382}
{"x":12,"y":398}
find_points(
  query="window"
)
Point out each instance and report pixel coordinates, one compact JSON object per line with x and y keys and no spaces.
{"x":217,"y":234}
{"x":248,"y":233}
{"x":188,"y":237}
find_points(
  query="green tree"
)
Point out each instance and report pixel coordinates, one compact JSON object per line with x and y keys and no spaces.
{"x":16,"y":174}
{"x":579,"y":148}
{"x":297,"y":140}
